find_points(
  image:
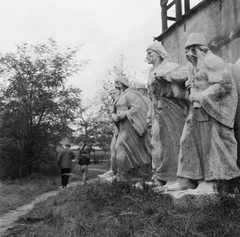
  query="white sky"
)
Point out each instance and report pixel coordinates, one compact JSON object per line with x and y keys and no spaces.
{"x":107,"y":28}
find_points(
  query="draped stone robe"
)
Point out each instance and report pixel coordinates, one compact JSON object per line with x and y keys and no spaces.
{"x":132,"y":150}
{"x":168,"y":111}
{"x":208,"y":147}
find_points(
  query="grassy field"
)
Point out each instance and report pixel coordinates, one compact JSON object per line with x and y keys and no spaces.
{"x":15,"y":193}
{"x":121,"y":210}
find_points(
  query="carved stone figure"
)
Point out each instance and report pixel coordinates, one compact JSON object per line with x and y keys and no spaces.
{"x":208,"y":149}
{"x":166,"y":115}
{"x":129,"y":115}
{"x":114,"y":93}
{"x":236,"y":74}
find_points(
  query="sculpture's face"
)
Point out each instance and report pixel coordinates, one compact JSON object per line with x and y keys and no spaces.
{"x":152,"y":57}
{"x":118,"y":85}
{"x":114,"y":94}
{"x":191,"y":53}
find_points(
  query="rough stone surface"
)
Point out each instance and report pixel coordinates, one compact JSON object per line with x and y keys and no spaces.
{"x":199,"y":197}
{"x":130,"y":115}
{"x":167,"y":112}
{"x":105,"y":179}
{"x":208,"y":147}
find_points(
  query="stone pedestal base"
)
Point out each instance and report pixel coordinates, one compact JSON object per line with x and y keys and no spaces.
{"x":203,"y":195}
{"x":105,"y":179}
{"x":188,"y":198}
{"x":109,"y":179}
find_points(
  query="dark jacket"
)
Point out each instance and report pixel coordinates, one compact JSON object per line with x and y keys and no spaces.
{"x":84,"y":160}
{"x":65,"y":158}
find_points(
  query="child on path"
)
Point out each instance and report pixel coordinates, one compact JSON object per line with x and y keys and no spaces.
{"x":84,"y":161}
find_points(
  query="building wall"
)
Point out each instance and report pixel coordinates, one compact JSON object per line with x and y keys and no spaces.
{"x":218,"y":20}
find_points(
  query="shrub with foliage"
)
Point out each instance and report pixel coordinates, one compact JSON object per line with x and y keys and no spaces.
{"x":37,"y":106}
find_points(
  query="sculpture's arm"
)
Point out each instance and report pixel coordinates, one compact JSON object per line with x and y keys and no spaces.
{"x":115,"y":117}
{"x":149,"y":116}
{"x":219,"y":78}
{"x":173,"y":72}
{"x":181,"y":75}
{"x":137,"y":112}
{"x":199,"y":96}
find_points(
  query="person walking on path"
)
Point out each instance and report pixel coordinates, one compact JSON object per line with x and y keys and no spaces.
{"x":84,"y":161}
{"x":64,"y":161}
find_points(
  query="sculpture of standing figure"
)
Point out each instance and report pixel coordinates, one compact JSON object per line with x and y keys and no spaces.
{"x":166,"y":115}
{"x":114,"y":93}
{"x":208,"y":148}
{"x":129,"y":115}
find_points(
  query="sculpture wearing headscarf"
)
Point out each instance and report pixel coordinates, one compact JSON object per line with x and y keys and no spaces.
{"x":129,"y":115}
{"x":208,"y":149}
{"x":167,"y":113}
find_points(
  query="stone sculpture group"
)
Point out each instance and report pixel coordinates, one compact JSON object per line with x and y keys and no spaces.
{"x":192,"y":111}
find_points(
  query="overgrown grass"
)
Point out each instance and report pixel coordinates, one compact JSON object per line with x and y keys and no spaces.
{"x":15,"y":193}
{"x":122,"y":210}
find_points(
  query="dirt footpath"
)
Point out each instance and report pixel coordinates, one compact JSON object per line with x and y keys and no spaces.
{"x":7,"y":220}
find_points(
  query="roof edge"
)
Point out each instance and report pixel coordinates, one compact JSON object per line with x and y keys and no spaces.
{"x":184,"y":17}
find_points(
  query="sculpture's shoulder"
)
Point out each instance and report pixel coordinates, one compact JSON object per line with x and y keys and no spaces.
{"x":135,"y":97}
{"x":131,"y":93}
{"x":169,"y":65}
{"x":235,"y":70}
{"x":213,"y":61}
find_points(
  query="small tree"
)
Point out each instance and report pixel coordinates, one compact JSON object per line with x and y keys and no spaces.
{"x":37,"y":106}
{"x":86,"y":126}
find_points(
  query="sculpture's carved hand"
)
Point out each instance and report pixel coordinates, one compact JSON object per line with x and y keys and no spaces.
{"x":149,"y":122}
{"x":196,"y":98}
{"x":121,"y":115}
{"x":188,"y":84}
{"x":159,"y":75}
{"x":114,"y":117}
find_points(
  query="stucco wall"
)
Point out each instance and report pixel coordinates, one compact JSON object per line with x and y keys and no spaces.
{"x":218,"y":20}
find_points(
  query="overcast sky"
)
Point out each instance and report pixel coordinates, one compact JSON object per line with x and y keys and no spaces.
{"x":107,"y":28}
